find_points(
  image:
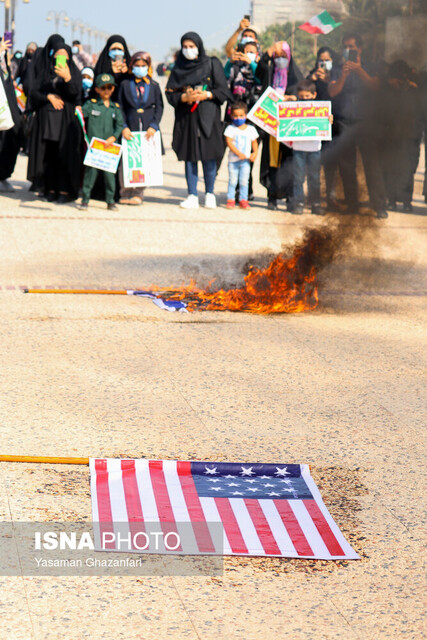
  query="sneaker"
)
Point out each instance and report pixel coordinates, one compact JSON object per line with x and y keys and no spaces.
{"x":230,"y":204}
{"x":317,"y":210}
{"x":210,"y":201}
{"x":382,"y":214}
{"x":111,"y":206}
{"x":272,"y":204}
{"x":190,"y":202}
{"x":6,"y":187}
{"x":298,"y":210}
{"x":244,"y":204}
{"x":83,"y":206}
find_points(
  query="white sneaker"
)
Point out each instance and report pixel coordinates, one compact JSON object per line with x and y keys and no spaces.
{"x":210,"y":201}
{"x":6,"y":187}
{"x":190,"y":202}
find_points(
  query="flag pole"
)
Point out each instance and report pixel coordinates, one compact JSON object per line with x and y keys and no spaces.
{"x":116,"y":292}
{"x":44,"y":460}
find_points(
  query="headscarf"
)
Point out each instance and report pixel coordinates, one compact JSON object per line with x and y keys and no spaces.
{"x":189,"y":72}
{"x":104,"y":63}
{"x":142,"y":55}
{"x":88,"y":71}
{"x":44,"y":62}
{"x":280,"y":77}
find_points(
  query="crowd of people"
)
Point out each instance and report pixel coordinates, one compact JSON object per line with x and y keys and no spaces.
{"x":379,"y":112}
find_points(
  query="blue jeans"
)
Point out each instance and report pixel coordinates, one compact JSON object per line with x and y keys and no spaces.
{"x":238,"y":172}
{"x":306,"y":162}
{"x":209,"y":174}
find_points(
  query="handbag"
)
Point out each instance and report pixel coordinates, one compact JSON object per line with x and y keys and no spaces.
{"x":6,"y":121}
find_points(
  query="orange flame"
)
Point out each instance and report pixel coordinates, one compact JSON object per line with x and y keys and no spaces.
{"x":287,"y":285}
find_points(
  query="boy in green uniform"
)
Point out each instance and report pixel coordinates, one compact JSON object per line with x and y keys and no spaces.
{"x":103,"y":120}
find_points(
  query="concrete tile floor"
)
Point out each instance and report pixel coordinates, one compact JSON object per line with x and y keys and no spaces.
{"x":340,"y":388}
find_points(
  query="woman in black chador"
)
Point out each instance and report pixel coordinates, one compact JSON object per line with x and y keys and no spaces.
{"x":114,"y":59}
{"x":54,"y":165}
{"x":196,"y":88}
{"x":11,"y":140}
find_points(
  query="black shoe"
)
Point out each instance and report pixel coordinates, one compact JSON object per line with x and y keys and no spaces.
{"x":51,"y":197}
{"x":408,"y":208}
{"x":332,"y":205}
{"x":272,"y":204}
{"x":392,"y":206}
{"x":63,"y":199}
{"x":298,"y":210}
{"x":83,"y":206}
{"x":317,"y":210}
{"x":382,"y":214}
{"x":111,"y":206}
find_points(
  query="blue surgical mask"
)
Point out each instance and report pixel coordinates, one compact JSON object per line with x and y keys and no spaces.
{"x":281,"y":63}
{"x":328,"y":65}
{"x":139,"y":72}
{"x":251,"y":56}
{"x":239,"y":121}
{"x":246,"y":39}
{"x":75,"y":49}
{"x":87,"y":83}
{"x":116,"y":53}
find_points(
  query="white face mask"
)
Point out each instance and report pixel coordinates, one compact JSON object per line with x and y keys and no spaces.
{"x":251,"y":56}
{"x":190,"y":53}
{"x":281,"y":63}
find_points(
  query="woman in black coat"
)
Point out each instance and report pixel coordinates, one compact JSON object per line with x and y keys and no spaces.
{"x":54,"y":164}
{"x":197,"y":87}
{"x":11,"y":140}
{"x":277,"y":69}
{"x":141,"y":102}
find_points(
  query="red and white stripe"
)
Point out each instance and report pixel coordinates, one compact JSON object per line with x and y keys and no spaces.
{"x":142,"y":493}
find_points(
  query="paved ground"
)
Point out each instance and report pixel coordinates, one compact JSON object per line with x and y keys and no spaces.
{"x":339,"y":388}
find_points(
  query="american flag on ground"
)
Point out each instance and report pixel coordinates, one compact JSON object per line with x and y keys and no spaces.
{"x":260,"y":509}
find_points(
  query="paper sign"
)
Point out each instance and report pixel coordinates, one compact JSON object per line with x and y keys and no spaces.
{"x":264,"y":111}
{"x":142,"y":160}
{"x":102,"y":157}
{"x":308,"y":120}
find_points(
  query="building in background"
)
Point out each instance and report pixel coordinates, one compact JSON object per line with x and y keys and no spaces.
{"x":267,"y":12}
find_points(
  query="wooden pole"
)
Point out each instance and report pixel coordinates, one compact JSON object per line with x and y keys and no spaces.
{"x":44,"y":460}
{"x":104,"y":292}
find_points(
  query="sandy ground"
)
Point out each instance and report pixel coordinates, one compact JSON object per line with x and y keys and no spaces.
{"x":339,"y":388}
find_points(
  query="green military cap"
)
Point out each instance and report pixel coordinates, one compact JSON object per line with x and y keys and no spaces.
{"x":104,"y":78}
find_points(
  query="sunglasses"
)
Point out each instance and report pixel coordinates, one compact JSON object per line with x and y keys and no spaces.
{"x":107,"y":87}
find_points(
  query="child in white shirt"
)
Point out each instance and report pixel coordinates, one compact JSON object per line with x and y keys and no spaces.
{"x":241,"y":139}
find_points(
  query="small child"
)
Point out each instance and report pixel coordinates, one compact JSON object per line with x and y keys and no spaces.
{"x":241,"y":139}
{"x":306,"y":160}
{"x":103,"y":120}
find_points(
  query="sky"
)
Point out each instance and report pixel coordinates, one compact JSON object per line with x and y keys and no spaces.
{"x":154,"y":26}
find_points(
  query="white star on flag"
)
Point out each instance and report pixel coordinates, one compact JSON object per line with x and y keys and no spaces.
{"x":237,"y":493}
{"x":250,"y":480}
{"x":233,"y":484}
{"x":274,"y":494}
{"x":247,"y":471}
{"x":216,"y":489}
{"x":229,"y":476}
{"x":268,"y":485}
{"x":252,"y":489}
{"x":210,"y":472}
{"x":213,"y":480}
{"x":281,"y":472}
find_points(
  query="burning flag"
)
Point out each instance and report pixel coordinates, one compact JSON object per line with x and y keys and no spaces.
{"x":323,"y":23}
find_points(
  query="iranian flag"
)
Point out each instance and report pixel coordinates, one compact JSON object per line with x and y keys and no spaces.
{"x":323,"y":23}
